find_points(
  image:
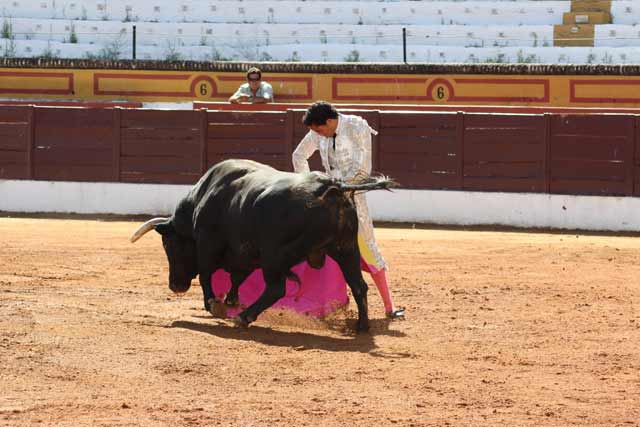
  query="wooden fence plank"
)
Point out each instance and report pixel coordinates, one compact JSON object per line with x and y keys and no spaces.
{"x":390,"y":121}
{"x":504,"y":152}
{"x":117,"y":143}
{"x":503,"y":170}
{"x":73,"y":172}
{"x":593,"y":169}
{"x":14,"y":114}
{"x":508,"y":185}
{"x":593,"y":187}
{"x":160,"y":119}
{"x":400,"y":161}
{"x":416,"y":144}
{"x":272,"y":146}
{"x":62,"y":156}
{"x":247,"y":117}
{"x":278,"y":162}
{"x":73,"y":118}
{"x":159,"y":178}
{"x":589,"y":124}
{"x":166,"y":148}
{"x":499,"y":152}
{"x":154,"y":134}
{"x":158,"y":165}
{"x":593,"y":150}
{"x":13,"y":170}
{"x":236,"y":131}
{"x":203,"y":140}
{"x":636,"y":169}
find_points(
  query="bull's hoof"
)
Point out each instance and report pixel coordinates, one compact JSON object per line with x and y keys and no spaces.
{"x":217,"y":309}
{"x":231,"y":302}
{"x":240,"y":322}
{"x":362,"y":326}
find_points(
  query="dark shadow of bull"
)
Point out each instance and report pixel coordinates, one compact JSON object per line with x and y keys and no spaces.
{"x":299,"y":341}
{"x":242,"y":215}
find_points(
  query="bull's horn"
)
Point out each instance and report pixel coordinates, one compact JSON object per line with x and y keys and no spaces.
{"x":146,"y":227}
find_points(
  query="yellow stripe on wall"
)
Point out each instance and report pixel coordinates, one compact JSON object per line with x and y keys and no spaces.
{"x":427,"y":89}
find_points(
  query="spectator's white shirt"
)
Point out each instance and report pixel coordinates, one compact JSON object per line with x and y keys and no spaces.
{"x":264,"y":91}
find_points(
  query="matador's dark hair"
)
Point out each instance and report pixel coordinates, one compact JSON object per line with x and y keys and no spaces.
{"x":319,"y":113}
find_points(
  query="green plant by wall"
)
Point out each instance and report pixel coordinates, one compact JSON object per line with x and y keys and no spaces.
{"x":48,"y":53}
{"x":9,"y":48}
{"x":7,"y":29}
{"x":353,"y":56}
{"x":526,"y":59}
{"x":73,"y":37}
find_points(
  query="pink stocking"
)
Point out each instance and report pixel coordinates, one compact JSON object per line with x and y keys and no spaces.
{"x":380,"y":279}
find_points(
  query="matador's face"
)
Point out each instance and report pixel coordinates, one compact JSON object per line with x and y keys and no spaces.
{"x":327,"y":130}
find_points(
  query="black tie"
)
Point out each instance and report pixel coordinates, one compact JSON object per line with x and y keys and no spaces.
{"x":334,"y":141}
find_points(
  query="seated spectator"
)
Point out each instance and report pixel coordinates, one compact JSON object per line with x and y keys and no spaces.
{"x":255,"y":91}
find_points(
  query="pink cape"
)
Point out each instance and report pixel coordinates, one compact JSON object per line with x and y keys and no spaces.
{"x":320,"y":293}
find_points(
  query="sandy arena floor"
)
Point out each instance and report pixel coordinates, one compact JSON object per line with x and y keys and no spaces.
{"x":502,"y":329}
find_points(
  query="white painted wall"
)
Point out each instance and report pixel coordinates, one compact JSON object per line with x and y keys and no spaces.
{"x":89,"y":198}
{"x":419,"y":206}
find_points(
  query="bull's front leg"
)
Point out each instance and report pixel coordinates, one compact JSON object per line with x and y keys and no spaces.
{"x":274,"y":289}
{"x":237,"y":278}
{"x":204,"y":277}
{"x":206,"y":266}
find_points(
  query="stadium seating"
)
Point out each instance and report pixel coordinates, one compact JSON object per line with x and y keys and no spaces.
{"x":327,"y":30}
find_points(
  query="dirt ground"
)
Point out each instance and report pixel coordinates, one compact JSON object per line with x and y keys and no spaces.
{"x":503,"y":328}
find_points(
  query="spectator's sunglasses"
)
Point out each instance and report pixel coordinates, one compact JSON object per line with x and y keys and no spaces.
{"x":253,"y":79}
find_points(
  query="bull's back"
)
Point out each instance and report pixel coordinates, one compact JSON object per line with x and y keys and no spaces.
{"x":226,"y":196}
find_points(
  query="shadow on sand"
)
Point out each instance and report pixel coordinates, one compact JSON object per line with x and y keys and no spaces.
{"x":360,"y":343}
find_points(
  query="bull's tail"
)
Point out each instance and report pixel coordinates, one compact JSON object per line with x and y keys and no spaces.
{"x":368,"y":183}
{"x":361,"y":184}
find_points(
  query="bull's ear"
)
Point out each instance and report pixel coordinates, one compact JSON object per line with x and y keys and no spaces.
{"x":165,"y":228}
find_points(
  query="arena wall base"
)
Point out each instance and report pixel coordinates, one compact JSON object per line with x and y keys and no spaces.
{"x":89,"y":197}
{"x":412,"y":206}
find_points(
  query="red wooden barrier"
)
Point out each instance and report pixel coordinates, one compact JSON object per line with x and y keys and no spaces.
{"x":569,"y":154}
{"x":15,"y":142}
{"x":420,"y":150}
{"x":592,"y":154}
{"x":258,"y":136}
{"x":160,"y":146}
{"x":636,"y":163}
{"x":72,"y":144}
{"x":504,"y":153}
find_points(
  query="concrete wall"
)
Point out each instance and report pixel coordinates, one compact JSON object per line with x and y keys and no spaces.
{"x":419,"y":206}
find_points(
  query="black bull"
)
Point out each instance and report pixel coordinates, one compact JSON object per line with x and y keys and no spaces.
{"x":244,"y":215}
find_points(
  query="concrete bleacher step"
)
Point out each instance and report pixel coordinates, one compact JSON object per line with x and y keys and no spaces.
{"x":573,"y":35}
{"x":578,"y":25}
{"x":590,"y":5}
{"x":584,"y":17}
{"x":327,"y":30}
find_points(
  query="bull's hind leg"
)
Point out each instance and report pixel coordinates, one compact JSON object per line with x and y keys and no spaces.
{"x":350,"y":265}
{"x":275,"y":288}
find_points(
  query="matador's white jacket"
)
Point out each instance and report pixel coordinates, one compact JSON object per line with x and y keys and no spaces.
{"x":351,"y":157}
